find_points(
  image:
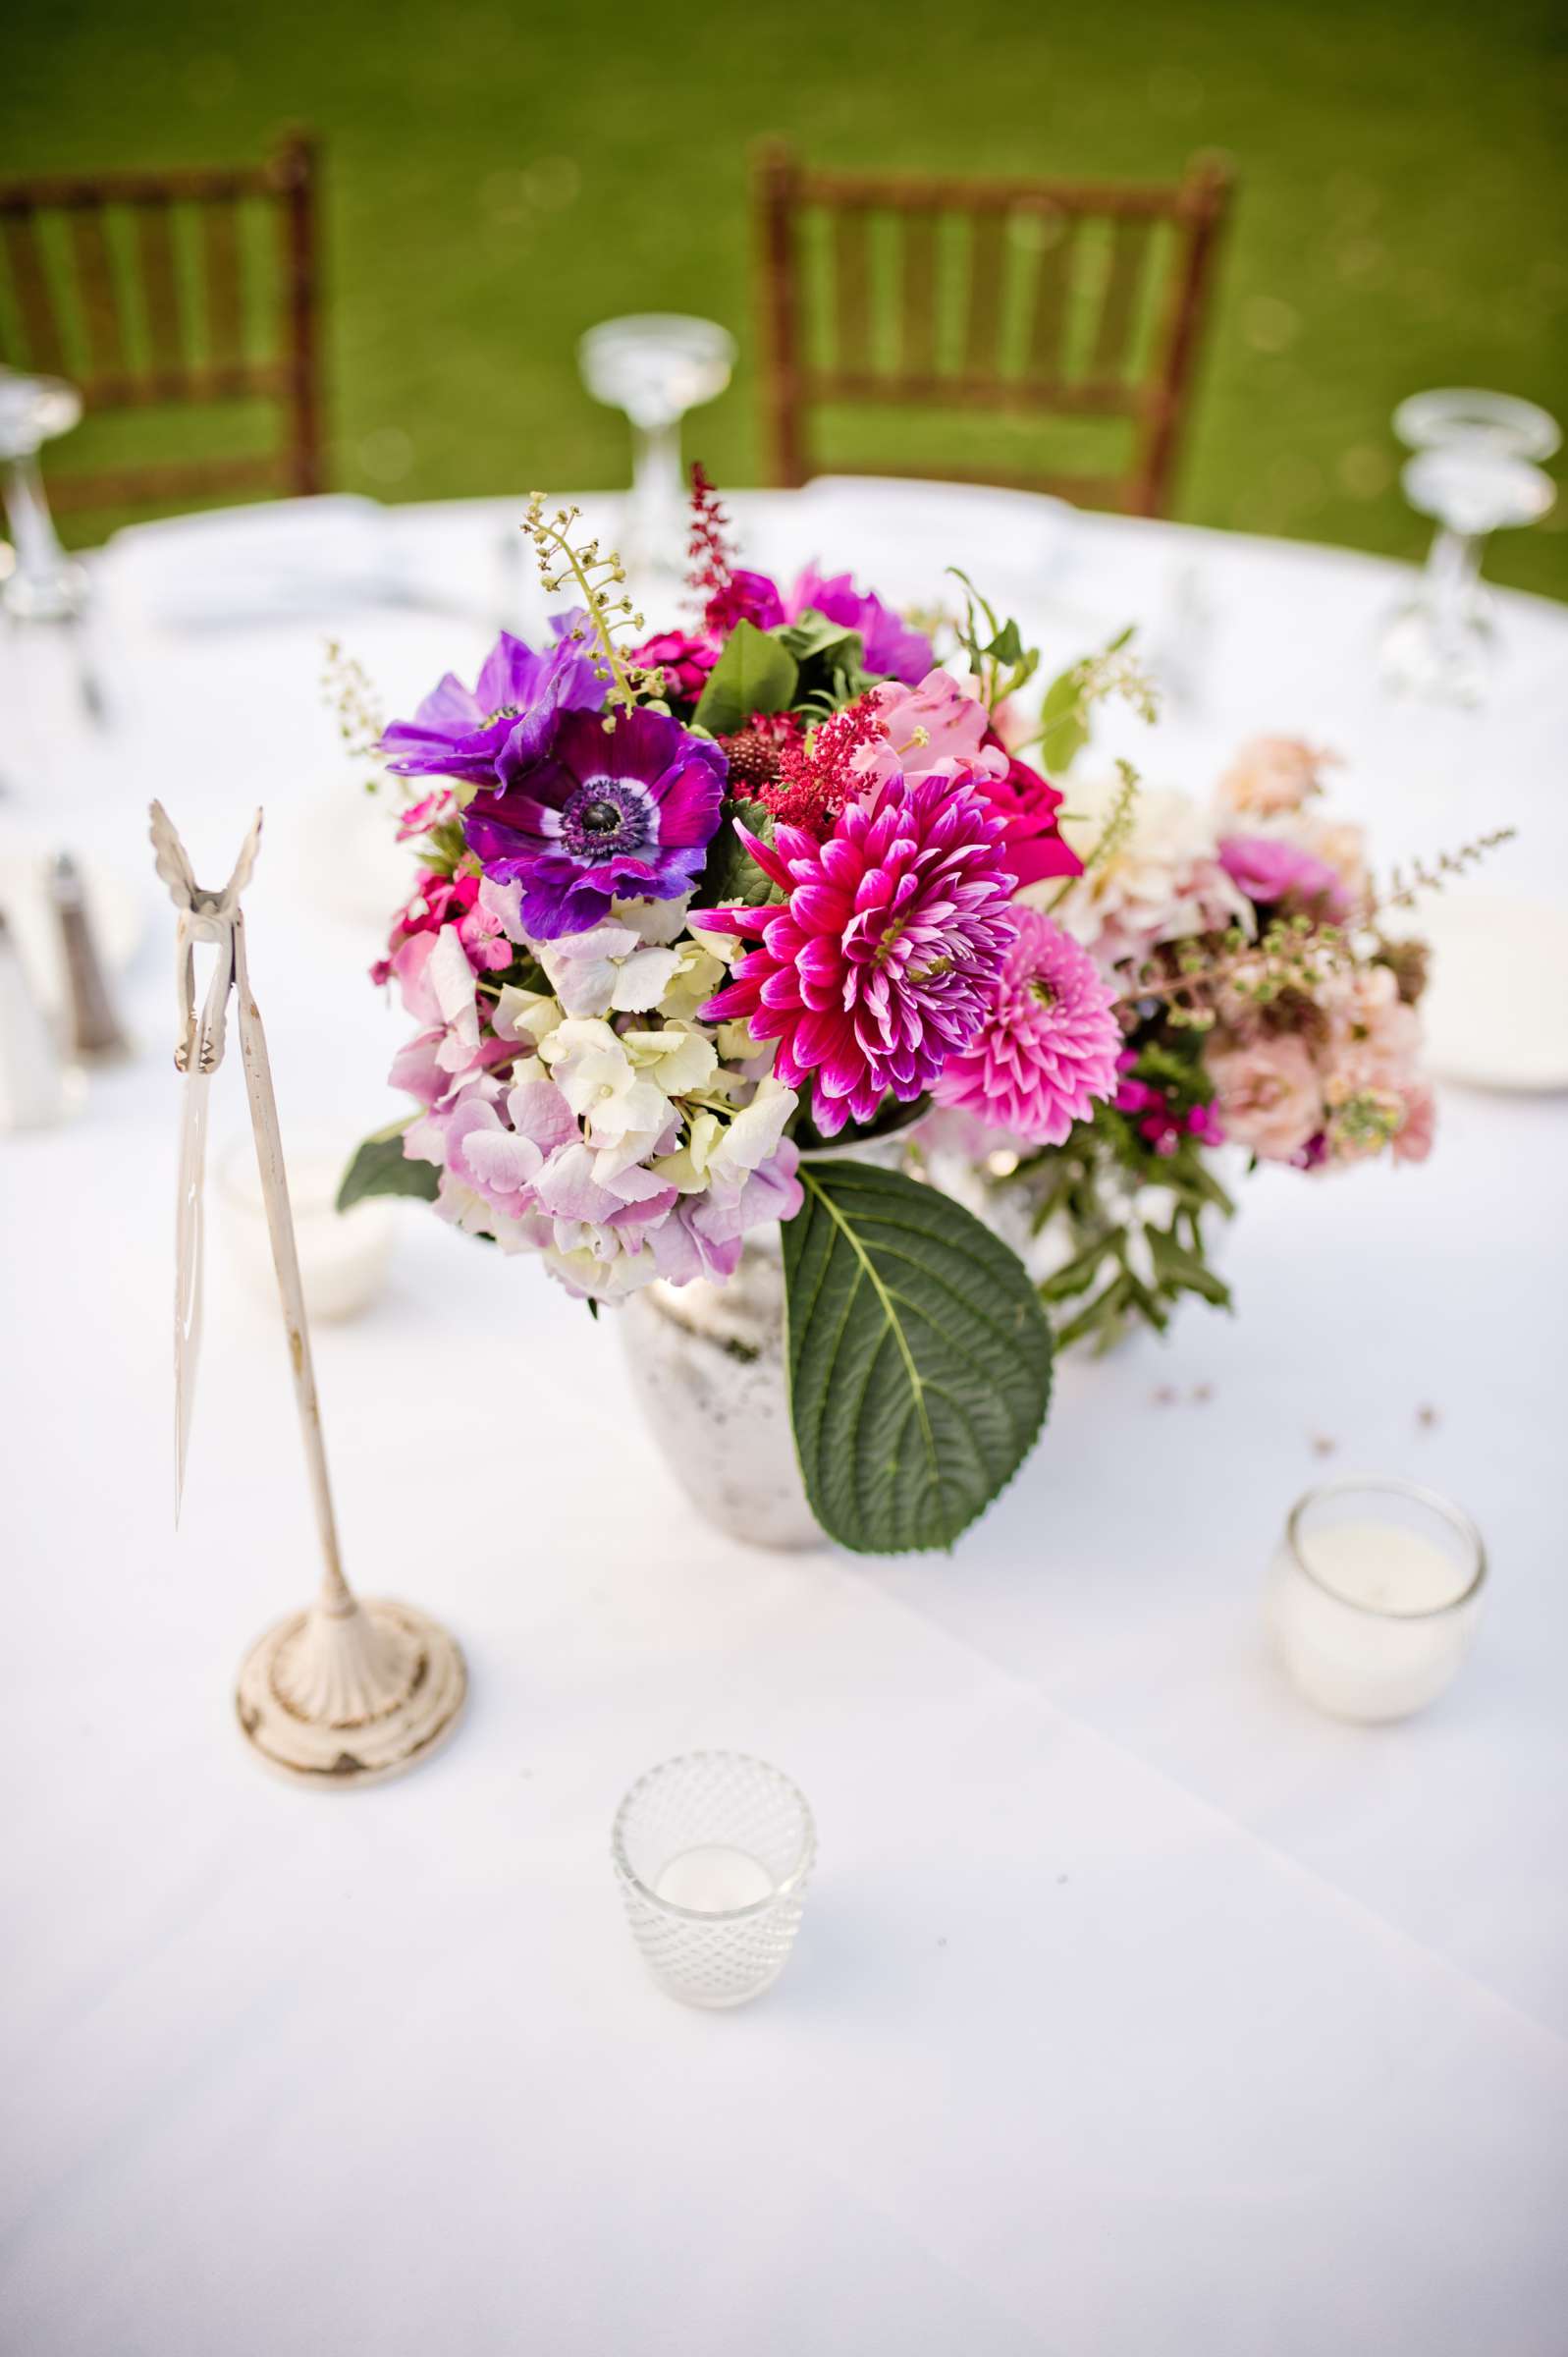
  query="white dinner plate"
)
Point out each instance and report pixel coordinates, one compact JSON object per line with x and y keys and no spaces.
{"x":1495,"y":1010}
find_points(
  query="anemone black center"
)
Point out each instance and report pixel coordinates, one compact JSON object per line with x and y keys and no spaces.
{"x":605,"y":817}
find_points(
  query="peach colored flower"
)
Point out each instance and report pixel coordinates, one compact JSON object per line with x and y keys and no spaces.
{"x":1374,"y":1036}
{"x":1272,"y":774}
{"x":1338,"y":842}
{"x":1269,"y":1095}
{"x":1413,"y":1139}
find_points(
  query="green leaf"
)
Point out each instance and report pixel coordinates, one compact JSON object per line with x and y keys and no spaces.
{"x":1008,"y":646}
{"x":730,"y":874}
{"x":754,"y":674}
{"x":380,"y":1167}
{"x":811,"y":634}
{"x":1064,"y":721}
{"x":1182,"y":1272}
{"x":919,"y":1358}
{"x":1078,"y":1274}
{"x":832,"y":660}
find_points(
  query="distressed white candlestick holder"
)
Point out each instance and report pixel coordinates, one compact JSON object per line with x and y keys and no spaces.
{"x":346,"y":1692}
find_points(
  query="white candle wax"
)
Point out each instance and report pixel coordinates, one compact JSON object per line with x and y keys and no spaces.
{"x":1368,"y":1617}
{"x":713,"y":1880}
{"x":343,"y":1255}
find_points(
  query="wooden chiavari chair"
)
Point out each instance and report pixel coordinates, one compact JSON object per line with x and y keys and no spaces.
{"x":179,"y":288}
{"x":1026,"y":300}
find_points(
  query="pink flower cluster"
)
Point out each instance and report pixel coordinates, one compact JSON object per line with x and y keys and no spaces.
{"x":1336,"y":1093}
{"x":1161,"y":1121}
{"x":439,"y":899}
{"x":899,"y":962}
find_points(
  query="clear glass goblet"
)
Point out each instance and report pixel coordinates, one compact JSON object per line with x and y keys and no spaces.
{"x":1466,"y":414}
{"x":656,"y":365}
{"x":43,"y":583}
{"x":1442,"y":643}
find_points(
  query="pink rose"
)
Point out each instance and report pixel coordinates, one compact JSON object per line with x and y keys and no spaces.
{"x":1268,"y":1096}
{"x":1269,"y":870}
{"x":1027,"y":805}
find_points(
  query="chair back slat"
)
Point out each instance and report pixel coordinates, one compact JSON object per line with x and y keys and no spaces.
{"x":851,"y":285}
{"x":1077,"y":304}
{"x":222,"y":285}
{"x":1053,"y":275}
{"x":983,"y":326}
{"x":40,"y":323}
{"x":1130,"y":252}
{"x":160,"y":287}
{"x":149,"y":290}
{"x":917,"y":348}
{"x":101,"y":322}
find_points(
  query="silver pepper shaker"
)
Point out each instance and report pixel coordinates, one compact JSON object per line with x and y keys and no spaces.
{"x":95,"y":1033}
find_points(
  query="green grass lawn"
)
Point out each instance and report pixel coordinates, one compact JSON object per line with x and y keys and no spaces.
{"x":501,"y":176}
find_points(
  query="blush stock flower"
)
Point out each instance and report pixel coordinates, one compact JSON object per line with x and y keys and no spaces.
{"x":1268,"y":1094}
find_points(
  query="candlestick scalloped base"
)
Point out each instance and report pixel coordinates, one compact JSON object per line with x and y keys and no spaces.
{"x":350,"y":1697}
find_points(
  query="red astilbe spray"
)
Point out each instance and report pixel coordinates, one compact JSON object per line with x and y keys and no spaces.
{"x":710,"y":553}
{"x":817,"y":774}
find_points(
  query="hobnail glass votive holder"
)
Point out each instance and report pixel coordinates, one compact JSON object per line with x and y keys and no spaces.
{"x":712,"y":1853}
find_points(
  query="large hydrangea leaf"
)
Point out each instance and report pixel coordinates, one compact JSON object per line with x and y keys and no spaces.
{"x":919,"y":1358}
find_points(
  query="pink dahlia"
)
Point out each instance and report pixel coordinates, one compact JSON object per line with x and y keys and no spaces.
{"x":1049,"y":1045}
{"x":881,"y":961}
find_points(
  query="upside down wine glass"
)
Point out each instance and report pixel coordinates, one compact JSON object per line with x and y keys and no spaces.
{"x":43,"y":584}
{"x":1475,"y":471}
{"x":656,"y":366}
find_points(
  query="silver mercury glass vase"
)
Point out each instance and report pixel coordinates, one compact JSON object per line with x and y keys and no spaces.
{"x":711,"y":1376}
{"x":708,"y":1366}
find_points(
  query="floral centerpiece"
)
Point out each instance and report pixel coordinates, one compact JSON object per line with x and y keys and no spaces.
{"x":698,"y":919}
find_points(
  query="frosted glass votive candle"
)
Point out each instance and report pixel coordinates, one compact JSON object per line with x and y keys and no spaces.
{"x":1373,"y":1597}
{"x":712,"y":1853}
{"x":343,"y":1255}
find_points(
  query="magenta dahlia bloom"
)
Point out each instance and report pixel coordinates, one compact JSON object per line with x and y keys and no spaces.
{"x":881,"y":959}
{"x":604,"y":815}
{"x":1048,"y":1047}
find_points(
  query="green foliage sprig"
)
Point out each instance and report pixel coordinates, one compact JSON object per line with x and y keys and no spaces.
{"x":596,"y":579}
{"x":1137,"y":1221}
{"x":1065,"y":716}
{"x":1406,"y":884}
{"x":998,"y":656}
{"x":349,"y":694}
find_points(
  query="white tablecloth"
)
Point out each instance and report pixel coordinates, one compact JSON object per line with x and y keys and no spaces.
{"x":1136,"y":2008}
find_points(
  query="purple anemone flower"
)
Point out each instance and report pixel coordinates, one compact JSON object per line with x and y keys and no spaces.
{"x":605,"y":816}
{"x":892,"y":651}
{"x":511,"y":708}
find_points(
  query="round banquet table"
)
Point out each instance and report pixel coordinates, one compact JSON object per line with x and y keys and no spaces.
{"x":1136,"y":2009}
